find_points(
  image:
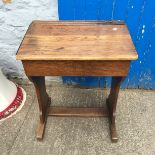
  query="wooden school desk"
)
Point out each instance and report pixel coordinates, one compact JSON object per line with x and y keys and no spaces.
{"x":76,"y":48}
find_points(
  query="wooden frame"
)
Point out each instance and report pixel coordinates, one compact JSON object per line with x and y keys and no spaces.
{"x":76,"y":68}
{"x":117,"y":69}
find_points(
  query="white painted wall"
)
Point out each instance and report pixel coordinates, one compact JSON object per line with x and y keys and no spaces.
{"x":15,"y":18}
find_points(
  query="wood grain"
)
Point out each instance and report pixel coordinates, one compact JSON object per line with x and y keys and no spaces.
{"x":92,"y":48}
{"x":112,"y":104}
{"x":80,"y":112}
{"x":43,"y":103}
{"x":76,"y":68}
{"x":40,"y":130}
{"x":60,"y":40}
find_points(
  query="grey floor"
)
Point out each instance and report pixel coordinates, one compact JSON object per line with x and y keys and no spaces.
{"x":82,"y":136}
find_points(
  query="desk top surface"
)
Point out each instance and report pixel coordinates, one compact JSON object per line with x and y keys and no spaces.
{"x":77,"y":40}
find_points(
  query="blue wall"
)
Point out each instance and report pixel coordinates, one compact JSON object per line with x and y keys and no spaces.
{"x":139,"y":16}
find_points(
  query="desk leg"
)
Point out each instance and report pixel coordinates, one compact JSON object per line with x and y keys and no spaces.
{"x":43,"y":102}
{"x":112,"y":103}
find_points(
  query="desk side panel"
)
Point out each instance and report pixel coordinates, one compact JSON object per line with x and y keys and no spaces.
{"x":76,"y":68}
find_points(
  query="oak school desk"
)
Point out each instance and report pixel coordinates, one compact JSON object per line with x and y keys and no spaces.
{"x":76,"y":48}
